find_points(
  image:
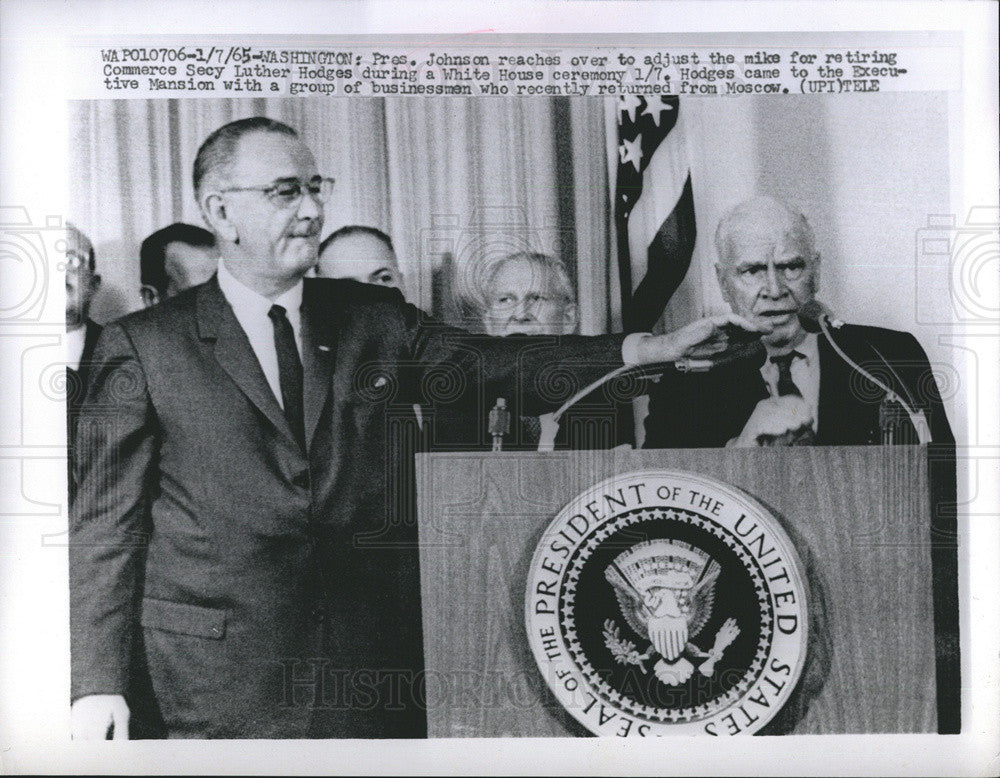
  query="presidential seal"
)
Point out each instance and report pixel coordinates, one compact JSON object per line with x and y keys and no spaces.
{"x":662,"y":603}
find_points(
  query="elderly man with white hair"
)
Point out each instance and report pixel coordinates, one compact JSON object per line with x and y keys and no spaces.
{"x":799,"y":391}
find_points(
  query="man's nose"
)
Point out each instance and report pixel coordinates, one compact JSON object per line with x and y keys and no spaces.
{"x":522,"y":310}
{"x":309,"y":206}
{"x":774,"y":287}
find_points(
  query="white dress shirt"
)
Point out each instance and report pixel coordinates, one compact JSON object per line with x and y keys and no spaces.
{"x":251,"y":309}
{"x":75,"y":341}
{"x":805,"y":374}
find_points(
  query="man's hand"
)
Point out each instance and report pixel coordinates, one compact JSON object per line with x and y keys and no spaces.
{"x":93,"y":716}
{"x":701,"y":339}
{"x":772,"y":418}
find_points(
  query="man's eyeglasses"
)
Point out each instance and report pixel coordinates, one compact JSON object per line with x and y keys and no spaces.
{"x":76,"y":261}
{"x":288,"y":192}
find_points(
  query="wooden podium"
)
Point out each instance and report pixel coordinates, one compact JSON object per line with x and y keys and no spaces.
{"x":859,"y":517}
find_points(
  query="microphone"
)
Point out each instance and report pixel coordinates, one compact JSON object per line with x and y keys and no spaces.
{"x":746,"y":346}
{"x":812,"y":313}
{"x":816,"y":317}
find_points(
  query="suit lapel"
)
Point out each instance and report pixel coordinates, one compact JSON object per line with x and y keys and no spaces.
{"x":232,"y":350}
{"x":843,"y":418}
{"x":319,"y":330}
{"x":92,"y":333}
{"x":317,"y":366}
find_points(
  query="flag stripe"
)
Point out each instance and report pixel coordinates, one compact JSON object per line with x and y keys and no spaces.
{"x":654,"y":207}
{"x":668,"y":259}
{"x":663,"y":183}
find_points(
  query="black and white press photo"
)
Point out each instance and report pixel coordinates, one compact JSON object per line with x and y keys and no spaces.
{"x":406,"y":396}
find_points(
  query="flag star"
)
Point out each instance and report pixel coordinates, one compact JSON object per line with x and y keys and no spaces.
{"x":629,"y":105}
{"x":631,"y":151}
{"x":657,"y":111}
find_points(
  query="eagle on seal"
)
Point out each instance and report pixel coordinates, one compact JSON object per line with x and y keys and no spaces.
{"x":666,"y":590}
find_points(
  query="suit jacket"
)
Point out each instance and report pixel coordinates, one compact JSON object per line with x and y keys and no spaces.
{"x":76,"y":385}
{"x":601,"y":419}
{"x":694,"y":410}
{"x":278,"y":590}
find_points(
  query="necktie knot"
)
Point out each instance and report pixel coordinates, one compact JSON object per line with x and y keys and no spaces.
{"x":783,"y":362}
{"x":277,"y":313}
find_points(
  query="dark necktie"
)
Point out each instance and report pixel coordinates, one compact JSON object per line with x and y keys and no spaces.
{"x":786,"y":385}
{"x":289,"y":372}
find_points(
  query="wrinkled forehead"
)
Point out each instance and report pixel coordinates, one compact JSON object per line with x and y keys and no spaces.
{"x":262,"y":157}
{"x":350,"y":267}
{"x":522,"y":275}
{"x":181,"y":253}
{"x":361,"y":248}
{"x":77,"y":244}
{"x":760,"y":237}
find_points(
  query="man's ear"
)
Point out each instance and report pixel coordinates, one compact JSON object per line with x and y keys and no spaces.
{"x":148,"y":295}
{"x":213,"y":206}
{"x":815,"y":275}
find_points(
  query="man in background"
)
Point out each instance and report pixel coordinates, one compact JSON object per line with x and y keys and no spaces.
{"x":519,"y":294}
{"x":365,"y":254}
{"x":175,"y":258}
{"x":799,"y":391}
{"x":82,"y":284}
{"x":528,"y":293}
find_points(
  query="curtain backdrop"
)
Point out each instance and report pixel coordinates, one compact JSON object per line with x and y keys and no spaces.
{"x":453,"y":178}
{"x":448,"y":178}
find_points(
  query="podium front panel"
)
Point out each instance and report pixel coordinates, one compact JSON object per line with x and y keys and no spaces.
{"x":858,"y":516}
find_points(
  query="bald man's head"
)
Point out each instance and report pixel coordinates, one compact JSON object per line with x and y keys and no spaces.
{"x":363,"y":253}
{"x":82,"y":281}
{"x":768,"y":267}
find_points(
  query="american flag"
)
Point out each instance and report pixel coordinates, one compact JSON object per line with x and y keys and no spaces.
{"x":654,"y":207}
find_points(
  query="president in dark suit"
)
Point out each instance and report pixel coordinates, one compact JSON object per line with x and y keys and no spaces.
{"x":798,"y":390}
{"x":232,"y":469}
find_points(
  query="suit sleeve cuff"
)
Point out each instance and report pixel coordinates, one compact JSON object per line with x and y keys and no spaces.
{"x":630,"y":347}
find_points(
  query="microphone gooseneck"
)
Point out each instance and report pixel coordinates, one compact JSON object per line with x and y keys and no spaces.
{"x":811,"y":314}
{"x":750,"y":350}
{"x":815,"y":314}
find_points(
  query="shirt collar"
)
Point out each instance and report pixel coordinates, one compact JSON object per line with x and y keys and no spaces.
{"x":241,"y":297}
{"x":75,"y":342}
{"x":808,"y":349}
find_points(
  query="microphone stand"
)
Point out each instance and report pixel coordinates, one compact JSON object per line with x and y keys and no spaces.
{"x":917,"y":417}
{"x":547,"y":440}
